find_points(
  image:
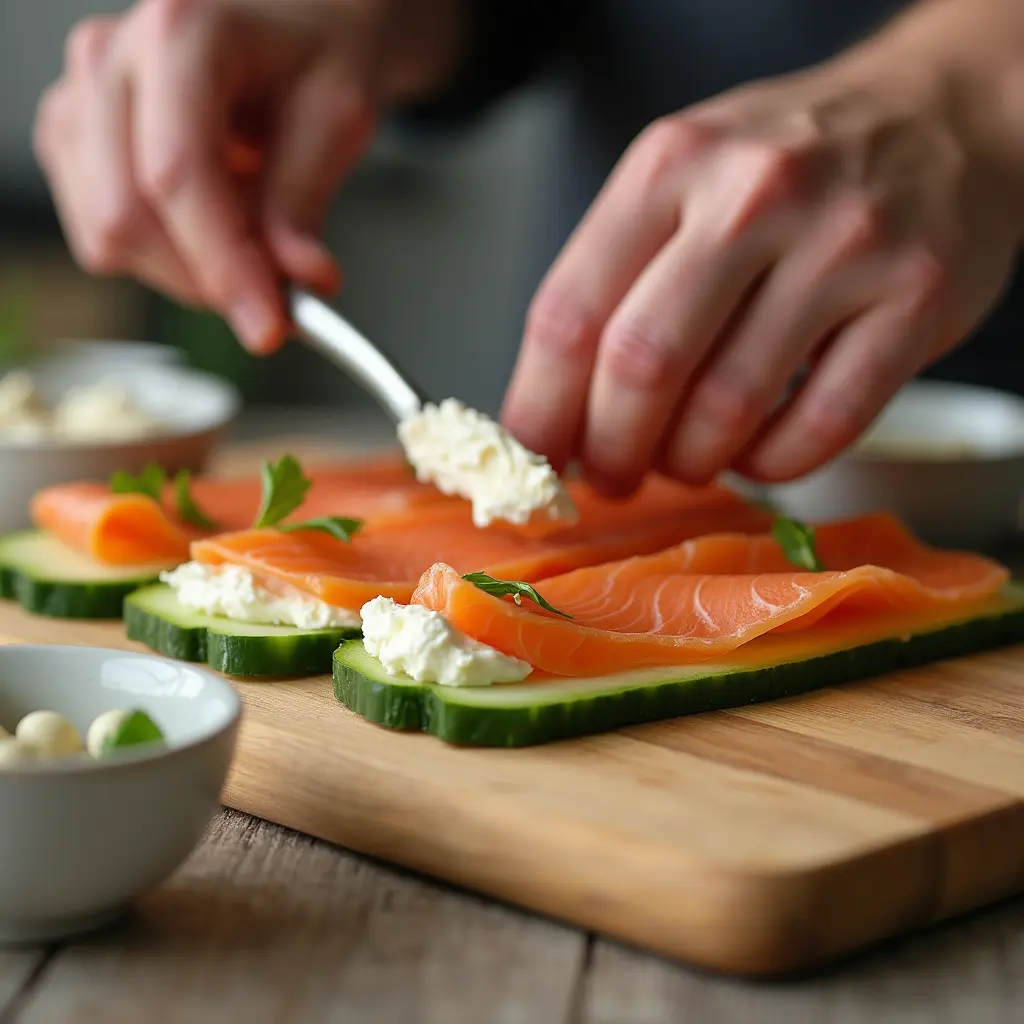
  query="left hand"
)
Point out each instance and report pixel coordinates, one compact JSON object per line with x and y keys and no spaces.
{"x":842,"y":221}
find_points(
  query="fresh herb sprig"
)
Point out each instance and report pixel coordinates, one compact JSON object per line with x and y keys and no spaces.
{"x":797,"y":542}
{"x":284,"y":490}
{"x":188,"y":510}
{"x":149,"y":482}
{"x":337,"y":526}
{"x":515,"y":589}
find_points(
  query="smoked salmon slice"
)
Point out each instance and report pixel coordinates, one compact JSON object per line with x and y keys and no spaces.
{"x":115,"y":529}
{"x":124,"y":529}
{"x":708,"y":596}
{"x":388,"y":556}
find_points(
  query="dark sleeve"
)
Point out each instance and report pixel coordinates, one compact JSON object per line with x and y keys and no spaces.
{"x":507,"y":42}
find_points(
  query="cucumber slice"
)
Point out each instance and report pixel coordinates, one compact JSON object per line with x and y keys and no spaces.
{"x":155,"y":617}
{"x":47,"y":577}
{"x":523,"y":714}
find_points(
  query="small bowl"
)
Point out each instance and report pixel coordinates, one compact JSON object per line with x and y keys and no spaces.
{"x":81,"y":838}
{"x":948,"y":459}
{"x":196,"y":408}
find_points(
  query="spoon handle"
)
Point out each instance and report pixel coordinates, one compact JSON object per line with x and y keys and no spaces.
{"x":332,"y":336}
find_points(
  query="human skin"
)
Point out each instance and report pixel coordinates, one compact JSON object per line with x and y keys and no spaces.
{"x":853,"y":221}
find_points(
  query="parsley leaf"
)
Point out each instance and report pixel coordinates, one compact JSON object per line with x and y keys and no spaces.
{"x":513,"y":588}
{"x":797,"y":542}
{"x":149,"y":482}
{"x":337,"y":526}
{"x":188,"y":510}
{"x":284,"y":490}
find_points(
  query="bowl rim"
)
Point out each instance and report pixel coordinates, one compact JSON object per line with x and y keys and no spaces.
{"x":228,"y":394}
{"x":129,"y":758}
{"x":949,"y":390}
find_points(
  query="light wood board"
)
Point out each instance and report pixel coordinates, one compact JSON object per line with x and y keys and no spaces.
{"x":763,"y":840}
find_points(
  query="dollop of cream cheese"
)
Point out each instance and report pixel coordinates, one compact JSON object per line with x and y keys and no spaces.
{"x":410,"y":640}
{"x":462,"y":451}
{"x":94,"y":412}
{"x":101,"y":411}
{"x":234,"y":593}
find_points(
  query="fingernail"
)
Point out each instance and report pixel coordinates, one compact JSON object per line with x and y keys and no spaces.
{"x":256,"y":323}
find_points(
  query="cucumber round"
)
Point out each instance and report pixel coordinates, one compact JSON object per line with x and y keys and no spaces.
{"x":155,"y":617}
{"x":47,"y":577}
{"x":522,"y":714}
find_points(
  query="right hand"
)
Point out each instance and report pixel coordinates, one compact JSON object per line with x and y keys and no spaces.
{"x":141,"y":136}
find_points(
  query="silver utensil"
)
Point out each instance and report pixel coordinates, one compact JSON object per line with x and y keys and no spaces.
{"x":330,"y":334}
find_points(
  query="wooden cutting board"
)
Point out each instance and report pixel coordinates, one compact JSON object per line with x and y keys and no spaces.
{"x":762,"y":840}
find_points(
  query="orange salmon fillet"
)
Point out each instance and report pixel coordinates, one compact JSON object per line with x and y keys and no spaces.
{"x":708,"y":596}
{"x":389,"y":555}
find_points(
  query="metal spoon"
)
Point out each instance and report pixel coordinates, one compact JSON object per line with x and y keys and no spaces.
{"x":330,"y":334}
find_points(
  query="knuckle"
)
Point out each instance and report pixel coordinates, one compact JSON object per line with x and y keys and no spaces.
{"x":923,"y":276}
{"x":640,"y":356}
{"x":48,"y":124}
{"x":561,"y":325}
{"x":163,"y":175}
{"x":777,"y":170}
{"x":728,"y":397}
{"x":835,"y":418}
{"x":861,"y":221}
{"x":665,"y":145}
{"x":85,"y":44}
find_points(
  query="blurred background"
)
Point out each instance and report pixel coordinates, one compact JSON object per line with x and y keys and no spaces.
{"x":443,"y":235}
{"x":441,"y":240}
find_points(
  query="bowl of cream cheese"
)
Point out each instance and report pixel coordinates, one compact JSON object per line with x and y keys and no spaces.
{"x":947,"y":458}
{"x":83,"y":415}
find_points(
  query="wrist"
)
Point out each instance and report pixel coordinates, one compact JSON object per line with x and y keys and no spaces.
{"x":963,"y":60}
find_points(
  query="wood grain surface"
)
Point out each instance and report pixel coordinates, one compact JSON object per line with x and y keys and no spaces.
{"x":265,"y":925}
{"x":764,"y":840}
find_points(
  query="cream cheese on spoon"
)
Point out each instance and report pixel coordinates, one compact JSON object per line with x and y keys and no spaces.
{"x":462,"y":451}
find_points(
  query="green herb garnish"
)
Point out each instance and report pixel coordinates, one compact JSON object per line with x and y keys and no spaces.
{"x":337,"y":526}
{"x":149,"y":482}
{"x":284,"y":490}
{"x":136,"y":728}
{"x":188,"y":510}
{"x":797,"y":542}
{"x":514,"y":588}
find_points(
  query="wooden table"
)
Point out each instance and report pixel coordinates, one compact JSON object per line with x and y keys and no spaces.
{"x":265,"y":925}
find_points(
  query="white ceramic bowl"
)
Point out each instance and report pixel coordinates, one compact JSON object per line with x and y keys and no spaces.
{"x":948,"y":459}
{"x":79,"y":838}
{"x":197,"y":408}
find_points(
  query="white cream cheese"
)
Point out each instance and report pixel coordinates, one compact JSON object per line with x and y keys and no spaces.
{"x":96,"y":412}
{"x":408,"y":639}
{"x":464,"y":452}
{"x":100,"y":411}
{"x":233,"y":593}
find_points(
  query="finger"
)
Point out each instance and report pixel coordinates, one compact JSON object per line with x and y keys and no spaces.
{"x":854,"y":379}
{"x":655,"y":341}
{"x":324,"y":127}
{"x":822,"y":285}
{"x":124,"y":233}
{"x":635,"y":214}
{"x":179,"y":131}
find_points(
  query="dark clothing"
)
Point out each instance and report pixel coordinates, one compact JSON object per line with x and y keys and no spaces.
{"x":635,"y":60}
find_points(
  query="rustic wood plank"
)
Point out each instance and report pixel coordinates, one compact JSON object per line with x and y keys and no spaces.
{"x":265,"y":925}
{"x":968,"y":972}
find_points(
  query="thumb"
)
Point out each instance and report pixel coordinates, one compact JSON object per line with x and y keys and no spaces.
{"x":323,"y":128}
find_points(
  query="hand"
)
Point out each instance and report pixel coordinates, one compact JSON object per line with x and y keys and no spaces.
{"x":195,"y":144}
{"x":839,"y":222}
